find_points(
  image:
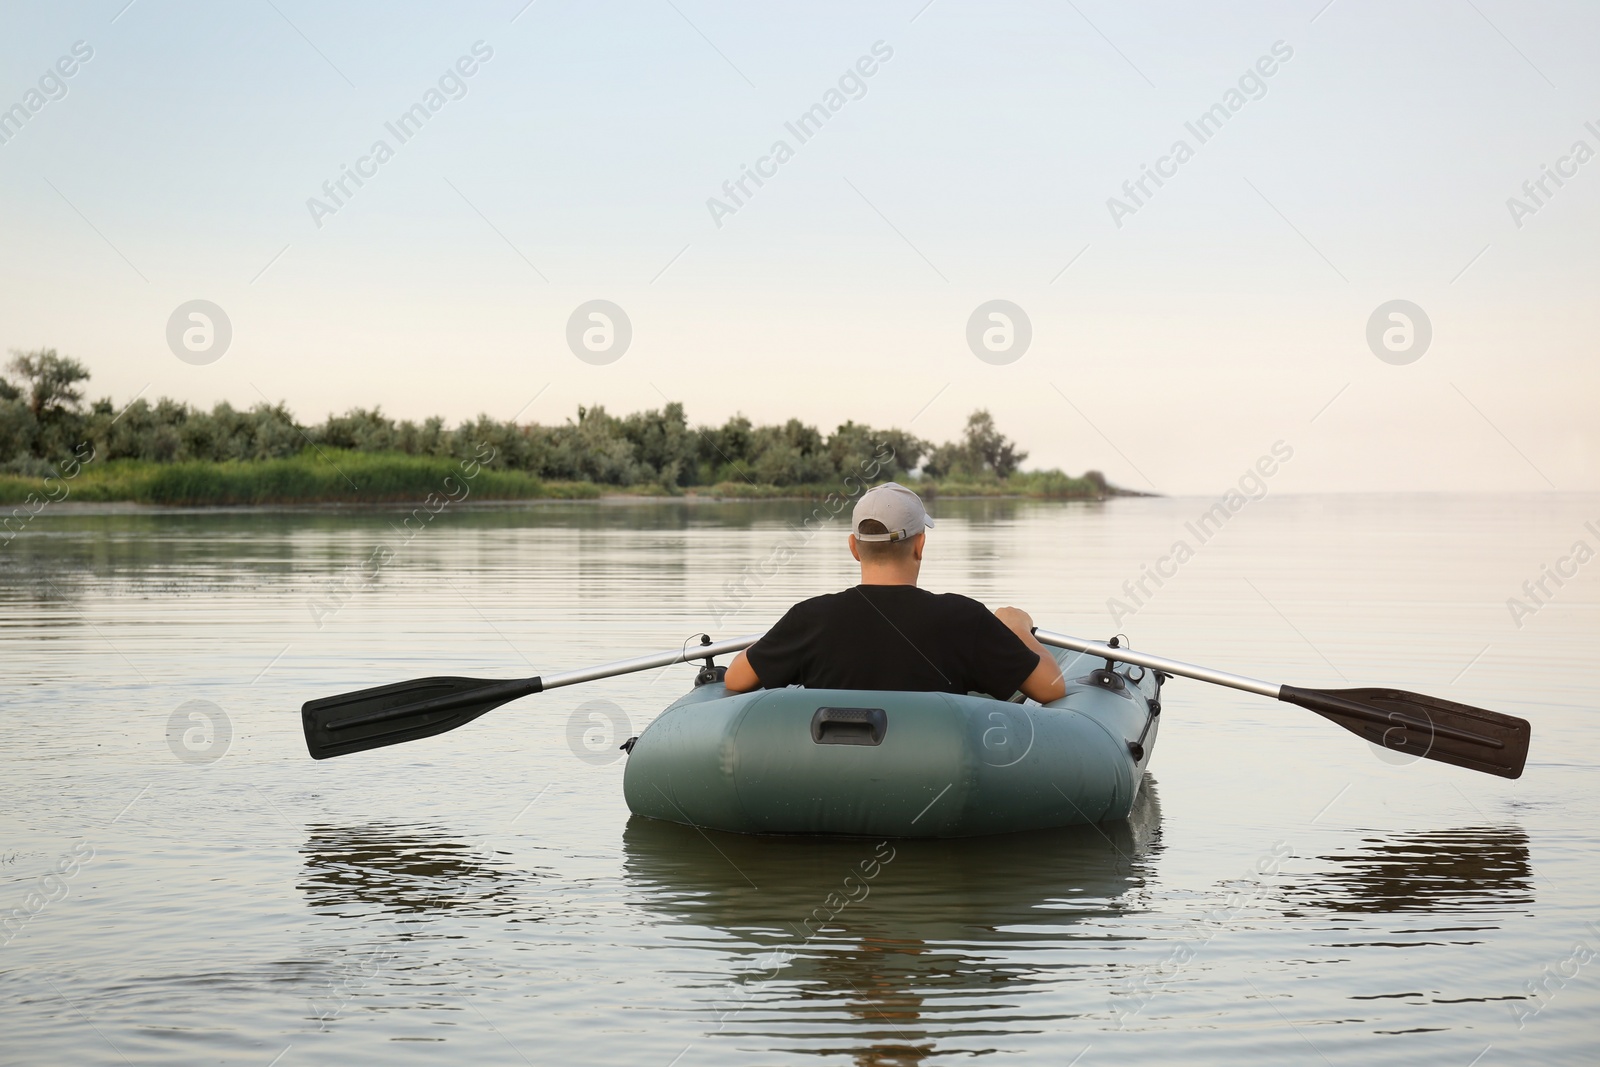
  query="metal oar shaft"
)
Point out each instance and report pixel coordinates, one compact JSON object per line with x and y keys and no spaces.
{"x":645,"y":663}
{"x":1160,"y":663}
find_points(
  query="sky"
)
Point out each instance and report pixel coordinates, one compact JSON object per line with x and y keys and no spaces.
{"x":1358,"y":154}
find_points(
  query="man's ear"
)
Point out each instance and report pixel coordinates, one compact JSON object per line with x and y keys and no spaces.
{"x":854,"y":548}
{"x":918,"y":545}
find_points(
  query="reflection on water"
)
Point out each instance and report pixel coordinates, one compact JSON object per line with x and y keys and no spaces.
{"x":403,"y":870}
{"x":893,"y":943}
{"x":196,"y":552}
{"x":1473,"y":869}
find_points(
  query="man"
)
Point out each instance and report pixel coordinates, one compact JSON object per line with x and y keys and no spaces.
{"x":888,"y":634}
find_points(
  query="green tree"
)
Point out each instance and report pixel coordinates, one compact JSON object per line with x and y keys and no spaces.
{"x":791,"y":454}
{"x":990,"y":448}
{"x":855,"y":448}
{"x":50,"y":392}
{"x":724,"y":451}
{"x":360,"y":430}
{"x":17,"y":425}
{"x":983,"y":451}
{"x":51,"y":382}
{"x":17,"y":430}
{"x":663,"y":442}
{"x":593,"y":449}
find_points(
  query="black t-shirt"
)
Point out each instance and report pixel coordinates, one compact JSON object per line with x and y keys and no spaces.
{"x":892,"y":637}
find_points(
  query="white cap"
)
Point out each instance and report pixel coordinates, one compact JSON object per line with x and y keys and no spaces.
{"x":898,"y":508}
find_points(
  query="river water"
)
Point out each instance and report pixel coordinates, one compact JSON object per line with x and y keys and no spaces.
{"x":179,"y":883}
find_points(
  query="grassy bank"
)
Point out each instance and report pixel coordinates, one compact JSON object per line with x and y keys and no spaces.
{"x":338,"y":476}
{"x":1033,"y":485}
{"x":308,"y":478}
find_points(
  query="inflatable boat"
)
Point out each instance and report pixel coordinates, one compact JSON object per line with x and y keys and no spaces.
{"x":891,"y":764}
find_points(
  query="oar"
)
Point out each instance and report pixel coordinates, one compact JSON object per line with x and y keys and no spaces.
{"x":1412,"y":723}
{"x":423,"y":707}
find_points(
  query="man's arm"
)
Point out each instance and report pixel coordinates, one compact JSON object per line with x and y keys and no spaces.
{"x":1045,"y":683}
{"x":741,"y":677}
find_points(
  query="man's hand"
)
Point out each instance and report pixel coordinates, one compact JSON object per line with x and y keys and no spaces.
{"x":1045,"y":683}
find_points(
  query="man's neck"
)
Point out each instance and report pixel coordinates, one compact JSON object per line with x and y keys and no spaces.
{"x":887,"y":576}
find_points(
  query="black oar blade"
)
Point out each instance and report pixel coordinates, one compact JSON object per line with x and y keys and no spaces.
{"x":1423,"y":726}
{"x":404,"y":711}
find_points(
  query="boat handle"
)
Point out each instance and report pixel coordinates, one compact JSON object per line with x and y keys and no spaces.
{"x":849,"y":726}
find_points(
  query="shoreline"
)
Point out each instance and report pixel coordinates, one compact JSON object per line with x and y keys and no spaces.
{"x":355,"y":479}
{"x":90,"y":507}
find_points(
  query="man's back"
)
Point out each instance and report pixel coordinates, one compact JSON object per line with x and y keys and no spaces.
{"x":893,"y":637}
{"x":887,"y":634}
